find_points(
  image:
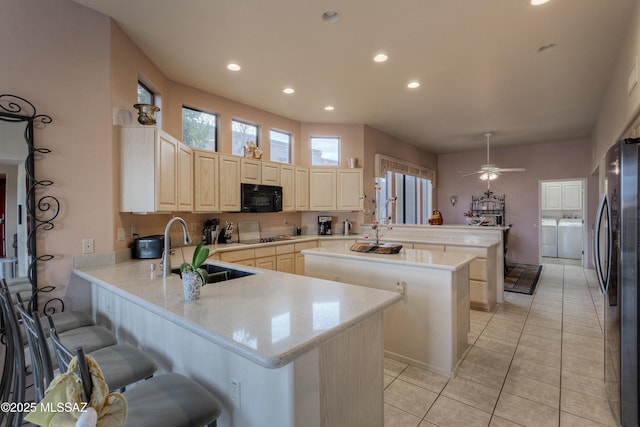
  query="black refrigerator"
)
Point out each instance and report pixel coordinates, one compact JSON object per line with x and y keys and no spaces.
{"x":616,"y":257}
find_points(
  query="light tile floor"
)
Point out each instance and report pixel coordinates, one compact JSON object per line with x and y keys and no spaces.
{"x":536,"y":360}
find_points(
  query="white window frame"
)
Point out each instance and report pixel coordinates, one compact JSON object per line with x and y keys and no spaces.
{"x":313,"y":156}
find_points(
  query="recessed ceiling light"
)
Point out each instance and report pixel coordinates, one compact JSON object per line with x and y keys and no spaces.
{"x":538,"y":2}
{"x":381,"y":57}
{"x":288,"y":90}
{"x":547,"y":47}
{"x":233,"y":67}
{"x":331,"y":16}
{"x":413,"y":85}
{"x":329,"y":108}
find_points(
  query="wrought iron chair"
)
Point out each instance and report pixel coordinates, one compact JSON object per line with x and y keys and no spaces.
{"x":123,"y":363}
{"x":169,"y":399}
{"x":12,"y":385}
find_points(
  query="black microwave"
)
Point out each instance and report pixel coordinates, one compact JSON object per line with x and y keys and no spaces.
{"x":260,"y":198}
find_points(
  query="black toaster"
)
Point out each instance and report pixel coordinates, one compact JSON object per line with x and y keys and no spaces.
{"x":148,"y":247}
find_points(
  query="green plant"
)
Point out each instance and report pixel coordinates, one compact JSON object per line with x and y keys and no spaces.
{"x":200,"y":255}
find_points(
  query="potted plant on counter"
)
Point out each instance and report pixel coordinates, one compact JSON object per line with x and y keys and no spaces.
{"x":194,"y":277}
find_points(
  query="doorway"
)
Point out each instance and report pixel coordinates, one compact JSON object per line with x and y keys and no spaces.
{"x":562,"y":226}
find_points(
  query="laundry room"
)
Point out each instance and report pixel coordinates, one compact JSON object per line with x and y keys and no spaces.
{"x":562,"y":228}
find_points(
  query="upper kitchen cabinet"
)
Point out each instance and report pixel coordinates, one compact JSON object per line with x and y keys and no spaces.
{"x":335,"y":189}
{"x":302,"y":188}
{"x":151,"y":174}
{"x":349,"y":190}
{"x":185,"y":178}
{"x":251,"y":171}
{"x":322,"y":189}
{"x":229,"y":183}
{"x":572,"y":195}
{"x":562,"y":195}
{"x":288,"y":183}
{"x":551,"y":196}
{"x":271,"y":173}
{"x":206,"y":182}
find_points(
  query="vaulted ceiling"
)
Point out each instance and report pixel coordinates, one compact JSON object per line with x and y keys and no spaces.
{"x":479,"y":62}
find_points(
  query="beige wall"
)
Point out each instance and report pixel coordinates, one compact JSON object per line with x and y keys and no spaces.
{"x":56,"y":54}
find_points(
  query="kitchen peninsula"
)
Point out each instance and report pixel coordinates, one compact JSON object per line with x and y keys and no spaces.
{"x":429,"y":327}
{"x":299,"y":350}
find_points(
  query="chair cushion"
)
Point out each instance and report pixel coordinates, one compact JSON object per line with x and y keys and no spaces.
{"x":170,"y":400}
{"x":91,"y":338}
{"x":123,"y":364}
{"x":67,"y":320}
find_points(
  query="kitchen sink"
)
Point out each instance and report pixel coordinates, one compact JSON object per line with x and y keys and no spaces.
{"x":220,"y":273}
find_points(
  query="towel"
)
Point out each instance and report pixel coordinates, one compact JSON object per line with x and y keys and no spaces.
{"x":62,"y":405}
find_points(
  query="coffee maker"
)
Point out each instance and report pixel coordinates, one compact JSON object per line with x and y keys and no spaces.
{"x":324,"y":225}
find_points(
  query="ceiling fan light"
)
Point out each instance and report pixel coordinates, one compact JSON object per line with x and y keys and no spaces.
{"x":488,"y":176}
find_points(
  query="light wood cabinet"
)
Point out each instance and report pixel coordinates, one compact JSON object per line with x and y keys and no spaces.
{"x":271,"y":173}
{"x":206,"y":181}
{"x":185,"y":178}
{"x":302,"y":189}
{"x":288,"y":182}
{"x":299,"y":257}
{"x":268,"y":263}
{"x":322,"y":189}
{"x":286,"y":263}
{"x":250,"y":171}
{"x":229,"y":183}
{"x":349,"y":190}
{"x":150,"y":178}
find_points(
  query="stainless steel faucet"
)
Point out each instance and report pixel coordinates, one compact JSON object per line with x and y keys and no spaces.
{"x":166,"y":254}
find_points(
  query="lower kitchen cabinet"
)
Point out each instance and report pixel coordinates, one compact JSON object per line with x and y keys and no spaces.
{"x":286,"y":263}
{"x":285,"y":258}
{"x":299,"y":257}
{"x":268,"y":263}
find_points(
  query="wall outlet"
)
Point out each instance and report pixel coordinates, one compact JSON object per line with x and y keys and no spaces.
{"x":286,"y":222}
{"x":121,"y":234}
{"x":87,"y":246}
{"x":194,"y":226}
{"x":133,"y":232}
{"x":235,"y":392}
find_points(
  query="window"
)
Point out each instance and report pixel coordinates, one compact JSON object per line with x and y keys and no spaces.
{"x":413,"y":199}
{"x":280,"y":146}
{"x":325,"y":151}
{"x":199,"y":129}
{"x":145,"y":96}
{"x":241,"y":134}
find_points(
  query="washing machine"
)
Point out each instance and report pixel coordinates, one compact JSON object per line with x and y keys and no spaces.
{"x":549,"y":237}
{"x":570,"y":238}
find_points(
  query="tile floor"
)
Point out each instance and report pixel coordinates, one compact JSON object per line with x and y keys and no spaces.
{"x":536,"y":360}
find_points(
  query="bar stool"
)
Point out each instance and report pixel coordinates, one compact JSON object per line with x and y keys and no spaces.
{"x":123,"y":363}
{"x":169,"y":399}
{"x":12,"y":385}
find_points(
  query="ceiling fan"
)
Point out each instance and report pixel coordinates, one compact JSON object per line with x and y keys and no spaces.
{"x":489,"y":171}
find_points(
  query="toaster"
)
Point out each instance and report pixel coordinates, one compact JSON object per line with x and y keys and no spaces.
{"x":148,"y":247}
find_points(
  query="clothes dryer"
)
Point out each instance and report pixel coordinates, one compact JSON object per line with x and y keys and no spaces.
{"x":570,"y":238}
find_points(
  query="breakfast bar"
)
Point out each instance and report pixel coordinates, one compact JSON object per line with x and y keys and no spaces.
{"x":275,"y":348}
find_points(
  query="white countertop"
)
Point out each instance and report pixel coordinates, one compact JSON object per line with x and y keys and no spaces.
{"x":454,"y":240}
{"x":270,"y":318}
{"x":421,"y":258}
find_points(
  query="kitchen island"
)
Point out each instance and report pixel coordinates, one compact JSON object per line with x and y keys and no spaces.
{"x":275,"y":348}
{"x":429,"y":327}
